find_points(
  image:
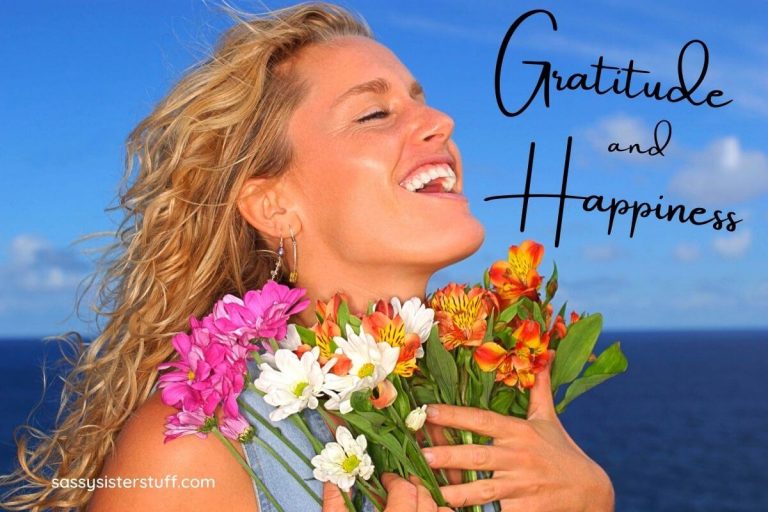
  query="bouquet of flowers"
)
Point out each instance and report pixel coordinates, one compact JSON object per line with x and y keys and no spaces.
{"x":371,"y":374}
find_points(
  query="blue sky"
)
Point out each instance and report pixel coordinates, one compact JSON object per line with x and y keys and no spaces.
{"x":78,"y":76}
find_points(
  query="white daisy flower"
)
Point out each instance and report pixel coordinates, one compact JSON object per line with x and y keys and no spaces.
{"x":416,"y":317}
{"x":293,"y":385}
{"x":343,"y":461}
{"x":371,"y":363}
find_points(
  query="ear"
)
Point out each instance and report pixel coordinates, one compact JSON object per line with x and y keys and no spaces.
{"x":263,"y":204}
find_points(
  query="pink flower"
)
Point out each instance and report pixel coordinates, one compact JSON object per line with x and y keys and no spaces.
{"x":260,"y":313}
{"x":184,"y":423}
{"x":236,"y":428}
{"x":198,"y":379}
{"x":212,"y":360}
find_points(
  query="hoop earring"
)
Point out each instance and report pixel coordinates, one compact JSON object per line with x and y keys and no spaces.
{"x":294,"y":275}
{"x":279,"y":263}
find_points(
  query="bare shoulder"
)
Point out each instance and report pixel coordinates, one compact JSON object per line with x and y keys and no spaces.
{"x":188,"y":473}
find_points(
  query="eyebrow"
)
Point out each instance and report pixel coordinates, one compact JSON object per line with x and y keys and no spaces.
{"x":377,"y":86}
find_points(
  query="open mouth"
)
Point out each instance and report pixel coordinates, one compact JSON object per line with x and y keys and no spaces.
{"x":431,"y":178}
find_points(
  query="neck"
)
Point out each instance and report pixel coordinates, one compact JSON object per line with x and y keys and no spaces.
{"x":362,"y":285}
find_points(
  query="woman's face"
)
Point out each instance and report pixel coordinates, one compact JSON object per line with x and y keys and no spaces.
{"x":377,"y":176}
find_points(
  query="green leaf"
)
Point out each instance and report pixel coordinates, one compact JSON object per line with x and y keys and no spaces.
{"x":307,"y":335}
{"x":574,"y":350}
{"x":538,"y":316}
{"x":490,"y":323}
{"x":609,"y":363}
{"x":502,"y":400}
{"x":561,"y":313}
{"x":509,"y":313}
{"x":343,"y":317}
{"x":442,"y":367}
{"x":424,"y":394}
{"x":375,"y":418}
{"x":487,"y":380}
{"x":487,"y":279}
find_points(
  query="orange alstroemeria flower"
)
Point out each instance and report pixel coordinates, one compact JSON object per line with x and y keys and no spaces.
{"x":462,"y":316}
{"x":384,"y":325}
{"x":324,"y":333}
{"x":518,"y":276}
{"x":516,"y":366}
{"x":329,"y":310}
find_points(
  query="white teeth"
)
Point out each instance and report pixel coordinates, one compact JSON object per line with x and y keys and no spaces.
{"x":428,"y":173}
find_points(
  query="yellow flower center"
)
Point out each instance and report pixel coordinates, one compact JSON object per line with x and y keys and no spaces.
{"x":299,"y":388}
{"x":190,"y":375}
{"x":350,"y":464}
{"x":366,"y":370}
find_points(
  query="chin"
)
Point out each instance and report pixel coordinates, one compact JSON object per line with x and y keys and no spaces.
{"x":458,"y":242}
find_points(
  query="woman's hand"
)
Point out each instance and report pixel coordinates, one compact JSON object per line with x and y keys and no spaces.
{"x":402,"y":496}
{"x":536,"y":464}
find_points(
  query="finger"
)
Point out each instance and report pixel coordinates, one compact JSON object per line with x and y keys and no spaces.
{"x":470,"y":456}
{"x":473,"y":493}
{"x":437,"y":434}
{"x":424,"y":501}
{"x":333,"y":501}
{"x":541,"y":404}
{"x":480,"y":421}
{"x":401,"y":494}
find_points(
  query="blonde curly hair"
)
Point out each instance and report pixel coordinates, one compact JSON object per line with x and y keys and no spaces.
{"x":181,"y":243}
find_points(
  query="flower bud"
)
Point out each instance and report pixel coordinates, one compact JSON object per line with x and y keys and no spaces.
{"x":416,"y":418}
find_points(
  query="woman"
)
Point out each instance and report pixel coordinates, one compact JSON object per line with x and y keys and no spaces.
{"x":300,"y":127}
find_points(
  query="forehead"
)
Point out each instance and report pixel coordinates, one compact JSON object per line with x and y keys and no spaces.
{"x":330,"y":68}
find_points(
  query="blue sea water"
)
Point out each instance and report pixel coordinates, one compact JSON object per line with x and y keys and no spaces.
{"x":685,"y":429}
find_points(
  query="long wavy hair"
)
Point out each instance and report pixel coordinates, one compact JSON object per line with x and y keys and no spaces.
{"x":182,"y":243}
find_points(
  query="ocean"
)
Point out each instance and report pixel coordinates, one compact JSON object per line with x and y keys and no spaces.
{"x":684,"y":429}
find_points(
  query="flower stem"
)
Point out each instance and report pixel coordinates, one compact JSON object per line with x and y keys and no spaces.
{"x":470,"y":475}
{"x":259,"y":483}
{"x":372,"y":496}
{"x":275,"y":431}
{"x":298,"y":420}
{"x":347,"y":501}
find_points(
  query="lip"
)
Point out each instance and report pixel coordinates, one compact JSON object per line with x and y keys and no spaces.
{"x":435,"y":159}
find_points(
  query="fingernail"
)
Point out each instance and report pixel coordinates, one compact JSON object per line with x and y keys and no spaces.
{"x":432,"y":412}
{"x":428,"y":456}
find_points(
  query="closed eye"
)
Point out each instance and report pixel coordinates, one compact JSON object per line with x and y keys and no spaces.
{"x":379,"y":114}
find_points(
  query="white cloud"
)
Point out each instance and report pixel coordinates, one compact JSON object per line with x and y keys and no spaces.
{"x":35,"y":265}
{"x":604,"y":252}
{"x":25,"y":247}
{"x":686,"y":252}
{"x":619,"y":128}
{"x":723,"y":173}
{"x":734,"y":245}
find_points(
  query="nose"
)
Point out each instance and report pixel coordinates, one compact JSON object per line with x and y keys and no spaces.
{"x":434,"y":125}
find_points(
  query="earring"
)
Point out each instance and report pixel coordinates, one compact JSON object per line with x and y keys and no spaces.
{"x":294,"y":275}
{"x":279,"y":263}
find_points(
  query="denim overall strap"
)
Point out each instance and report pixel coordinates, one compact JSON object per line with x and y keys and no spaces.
{"x":286,"y":491}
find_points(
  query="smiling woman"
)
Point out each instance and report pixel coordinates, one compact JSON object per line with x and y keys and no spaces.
{"x":299,"y":126}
